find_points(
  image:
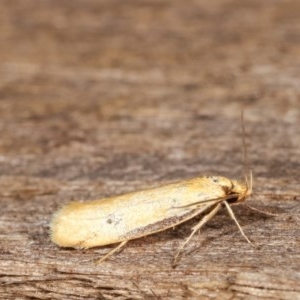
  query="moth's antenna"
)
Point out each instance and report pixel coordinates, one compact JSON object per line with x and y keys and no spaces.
{"x":246,"y":162}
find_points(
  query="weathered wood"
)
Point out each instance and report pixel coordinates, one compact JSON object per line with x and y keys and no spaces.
{"x":104,"y":97}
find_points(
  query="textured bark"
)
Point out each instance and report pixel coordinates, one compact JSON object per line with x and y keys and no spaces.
{"x":104,"y":97}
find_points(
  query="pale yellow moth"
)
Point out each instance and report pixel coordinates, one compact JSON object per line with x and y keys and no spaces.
{"x":125,"y":217}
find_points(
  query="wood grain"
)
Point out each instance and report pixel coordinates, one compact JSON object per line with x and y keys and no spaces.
{"x":100,"y":98}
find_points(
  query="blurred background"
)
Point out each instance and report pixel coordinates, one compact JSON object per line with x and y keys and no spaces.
{"x":142,"y":81}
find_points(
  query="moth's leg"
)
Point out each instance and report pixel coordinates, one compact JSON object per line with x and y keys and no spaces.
{"x":231,"y":214}
{"x":260,"y":211}
{"x":110,"y":253}
{"x":197,"y":227}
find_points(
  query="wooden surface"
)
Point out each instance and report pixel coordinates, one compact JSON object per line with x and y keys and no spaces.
{"x":103,"y":97}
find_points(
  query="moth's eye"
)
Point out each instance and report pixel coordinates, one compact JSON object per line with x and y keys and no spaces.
{"x":226,"y":189}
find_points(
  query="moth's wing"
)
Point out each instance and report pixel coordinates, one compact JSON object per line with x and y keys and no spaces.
{"x":129,"y":216}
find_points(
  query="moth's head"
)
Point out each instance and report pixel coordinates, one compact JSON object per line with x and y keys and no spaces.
{"x":242,"y":189}
{"x":235,"y":191}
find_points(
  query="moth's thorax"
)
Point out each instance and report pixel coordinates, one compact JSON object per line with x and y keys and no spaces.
{"x":231,"y":187}
{"x":220,"y":182}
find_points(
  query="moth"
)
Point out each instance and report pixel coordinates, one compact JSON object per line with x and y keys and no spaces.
{"x":133,"y":215}
{"x":122,"y":218}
